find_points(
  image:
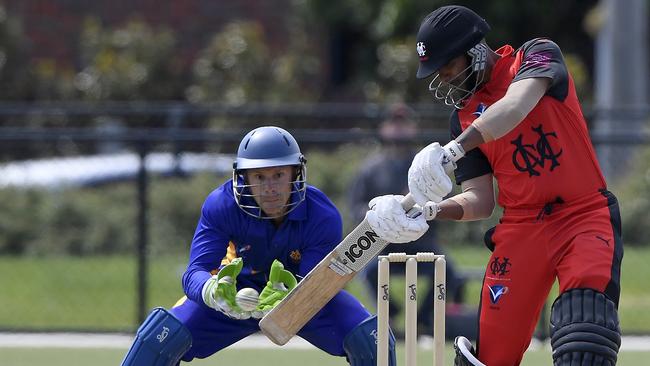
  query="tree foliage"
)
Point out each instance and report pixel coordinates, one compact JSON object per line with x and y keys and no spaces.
{"x":133,"y":61}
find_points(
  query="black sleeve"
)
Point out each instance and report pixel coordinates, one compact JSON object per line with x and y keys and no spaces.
{"x":474,"y":163}
{"x":543,"y":59}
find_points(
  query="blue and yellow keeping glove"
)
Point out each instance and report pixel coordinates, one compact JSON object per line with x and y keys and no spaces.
{"x":220,"y":291}
{"x":280,"y":283}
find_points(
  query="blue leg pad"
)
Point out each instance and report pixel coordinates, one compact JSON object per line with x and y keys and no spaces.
{"x":161,"y":340}
{"x":360,"y":344}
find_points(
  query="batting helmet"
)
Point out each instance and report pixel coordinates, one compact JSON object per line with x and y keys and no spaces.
{"x":445,"y":34}
{"x":266,"y":147}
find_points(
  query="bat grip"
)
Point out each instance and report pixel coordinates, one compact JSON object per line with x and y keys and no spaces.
{"x":408,"y":202}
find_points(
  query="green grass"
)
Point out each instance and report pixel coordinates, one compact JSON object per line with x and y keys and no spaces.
{"x":81,"y":293}
{"x":635,"y":293}
{"x":99,"y":292}
{"x":279,"y":356}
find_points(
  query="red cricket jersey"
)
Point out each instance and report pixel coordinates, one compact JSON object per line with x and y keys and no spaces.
{"x":549,"y":154}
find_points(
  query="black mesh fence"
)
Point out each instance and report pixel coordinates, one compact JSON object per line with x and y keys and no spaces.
{"x":98,"y":212}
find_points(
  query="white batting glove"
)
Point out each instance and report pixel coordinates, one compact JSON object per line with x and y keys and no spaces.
{"x":389,"y":220}
{"x":429,"y":211}
{"x":427,"y":179}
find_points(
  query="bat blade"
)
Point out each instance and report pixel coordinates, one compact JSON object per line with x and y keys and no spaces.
{"x":322,"y":283}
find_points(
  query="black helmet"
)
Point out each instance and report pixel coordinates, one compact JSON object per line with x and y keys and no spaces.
{"x":445,"y":34}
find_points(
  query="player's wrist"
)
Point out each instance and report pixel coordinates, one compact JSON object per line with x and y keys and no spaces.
{"x":208,"y":291}
{"x":454,"y":151}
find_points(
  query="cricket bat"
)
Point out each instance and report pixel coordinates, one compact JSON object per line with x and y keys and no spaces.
{"x":324,"y":281}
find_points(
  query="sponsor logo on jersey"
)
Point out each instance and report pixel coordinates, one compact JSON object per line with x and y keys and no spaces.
{"x":480,"y":108}
{"x":244,"y":248}
{"x":606,"y":241}
{"x":496,"y":292}
{"x":537,"y":59}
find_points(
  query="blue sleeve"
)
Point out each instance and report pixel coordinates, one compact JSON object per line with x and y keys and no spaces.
{"x":322,"y":238}
{"x":207,"y":250}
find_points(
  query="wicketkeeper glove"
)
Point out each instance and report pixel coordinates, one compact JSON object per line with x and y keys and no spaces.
{"x":280,"y":283}
{"x":220,"y":291}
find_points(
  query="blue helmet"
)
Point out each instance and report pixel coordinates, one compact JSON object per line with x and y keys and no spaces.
{"x":266,"y":147}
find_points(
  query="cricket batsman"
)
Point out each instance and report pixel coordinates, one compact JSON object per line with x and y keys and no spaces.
{"x":259,"y":230}
{"x":517,"y":121}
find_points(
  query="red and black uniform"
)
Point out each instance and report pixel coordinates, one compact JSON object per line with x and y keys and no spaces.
{"x":559,"y":219}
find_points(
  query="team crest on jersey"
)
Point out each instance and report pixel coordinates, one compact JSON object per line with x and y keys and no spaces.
{"x":533,"y":157}
{"x":295,"y":256}
{"x":422,"y":50}
{"x":500,"y":266}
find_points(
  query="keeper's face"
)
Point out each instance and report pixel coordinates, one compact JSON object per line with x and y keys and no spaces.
{"x":271,"y":188}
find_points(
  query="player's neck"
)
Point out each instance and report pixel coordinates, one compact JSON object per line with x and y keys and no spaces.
{"x":278,"y":221}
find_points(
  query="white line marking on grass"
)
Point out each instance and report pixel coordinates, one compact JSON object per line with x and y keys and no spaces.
{"x":256,"y":341}
{"x":94,"y":340}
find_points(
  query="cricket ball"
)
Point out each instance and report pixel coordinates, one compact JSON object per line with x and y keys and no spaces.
{"x":247,"y":299}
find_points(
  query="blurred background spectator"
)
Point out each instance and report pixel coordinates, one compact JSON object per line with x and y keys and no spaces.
{"x":384,"y":172}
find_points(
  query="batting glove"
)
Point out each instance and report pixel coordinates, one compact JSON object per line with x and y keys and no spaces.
{"x":388,"y":219}
{"x":427,"y":178}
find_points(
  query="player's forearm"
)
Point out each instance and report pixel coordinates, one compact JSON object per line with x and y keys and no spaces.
{"x":495,"y":122}
{"x":450,"y":210}
{"x":464,"y":207}
{"x":505,"y":114}
{"x":475,"y":202}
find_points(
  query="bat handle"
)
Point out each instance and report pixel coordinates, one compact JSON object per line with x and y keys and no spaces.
{"x":408,"y":202}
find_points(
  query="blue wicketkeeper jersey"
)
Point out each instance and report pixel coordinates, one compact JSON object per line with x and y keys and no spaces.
{"x":225,"y":232}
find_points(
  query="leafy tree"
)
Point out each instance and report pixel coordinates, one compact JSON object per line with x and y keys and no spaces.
{"x":133,"y":61}
{"x":238,"y":66}
{"x":13,"y":52}
{"x":368,"y":39}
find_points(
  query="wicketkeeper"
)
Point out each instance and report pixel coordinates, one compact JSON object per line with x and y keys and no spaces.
{"x":258,"y":230}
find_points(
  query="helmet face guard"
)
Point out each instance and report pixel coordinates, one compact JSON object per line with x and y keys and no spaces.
{"x":461,"y":87}
{"x":247,"y":201}
{"x":267,"y":147}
